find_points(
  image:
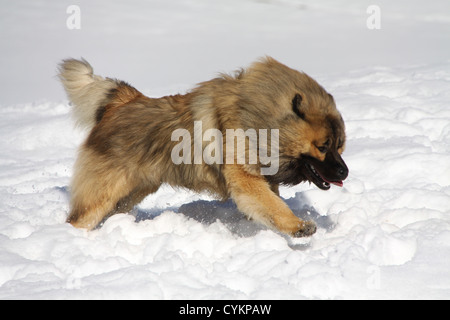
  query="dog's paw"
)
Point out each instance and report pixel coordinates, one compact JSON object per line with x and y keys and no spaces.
{"x":308,"y":228}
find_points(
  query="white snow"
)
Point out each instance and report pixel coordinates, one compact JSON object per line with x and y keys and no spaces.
{"x":385,"y":234}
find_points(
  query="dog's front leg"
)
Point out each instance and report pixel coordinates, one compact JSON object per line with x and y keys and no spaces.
{"x":254,"y":197}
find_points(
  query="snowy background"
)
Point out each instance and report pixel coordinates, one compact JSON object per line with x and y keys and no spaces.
{"x":385,"y":234}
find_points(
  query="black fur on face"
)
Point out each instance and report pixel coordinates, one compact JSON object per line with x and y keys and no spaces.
{"x":329,"y":169}
{"x":332,"y":170}
{"x":291,"y":171}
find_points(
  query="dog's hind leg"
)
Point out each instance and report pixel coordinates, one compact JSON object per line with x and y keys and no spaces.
{"x":96,"y":189}
{"x":127,"y":203}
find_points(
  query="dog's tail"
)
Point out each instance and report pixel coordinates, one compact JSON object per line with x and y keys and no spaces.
{"x":91,"y":94}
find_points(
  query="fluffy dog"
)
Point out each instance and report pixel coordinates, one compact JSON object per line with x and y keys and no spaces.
{"x":130,"y":149}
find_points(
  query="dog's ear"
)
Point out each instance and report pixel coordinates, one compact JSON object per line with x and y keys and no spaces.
{"x":297,"y":106}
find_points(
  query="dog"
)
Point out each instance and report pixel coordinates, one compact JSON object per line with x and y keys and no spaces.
{"x":134,"y":144}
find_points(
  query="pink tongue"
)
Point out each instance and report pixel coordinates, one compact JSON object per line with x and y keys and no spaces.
{"x":336,"y":183}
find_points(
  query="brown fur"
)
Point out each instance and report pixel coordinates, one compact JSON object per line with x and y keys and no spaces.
{"x":127,"y":154}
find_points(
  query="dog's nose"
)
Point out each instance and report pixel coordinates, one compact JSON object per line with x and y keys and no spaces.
{"x":342,"y":172}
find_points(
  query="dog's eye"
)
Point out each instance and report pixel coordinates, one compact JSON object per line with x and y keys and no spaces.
{"x":322,"y":149}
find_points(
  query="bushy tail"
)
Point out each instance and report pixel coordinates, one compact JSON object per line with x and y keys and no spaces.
{"x":86,"y":91}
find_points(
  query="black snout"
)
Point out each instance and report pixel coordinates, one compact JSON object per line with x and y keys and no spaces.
{"x":336,"y":162}
{"x":342,"y":171}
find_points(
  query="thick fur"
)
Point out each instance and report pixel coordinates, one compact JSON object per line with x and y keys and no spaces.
{"x":127,"y":154}
{"x":84,"y":89}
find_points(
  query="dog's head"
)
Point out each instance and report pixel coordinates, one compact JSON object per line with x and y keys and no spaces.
{"x":311,"y":129}
{"x":322,"y":164}
{"x":311,"y":143}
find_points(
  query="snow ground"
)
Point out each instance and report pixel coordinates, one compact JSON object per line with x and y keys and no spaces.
{"x":385,"y":234}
